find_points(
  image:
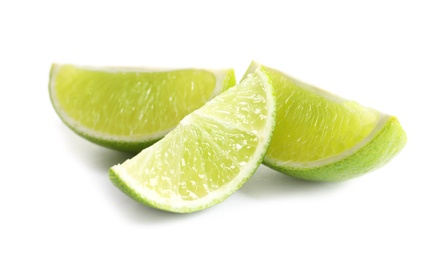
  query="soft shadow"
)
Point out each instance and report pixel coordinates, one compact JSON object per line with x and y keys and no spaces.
{"x":97,"y":157}
{"x":140,"y":213}
{"x":270,"y":183}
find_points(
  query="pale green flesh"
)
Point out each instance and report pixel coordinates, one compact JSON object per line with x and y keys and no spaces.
{"x":208,"y":155}
{"x":201,"y":167}
{"x":110,"y":102}
{"x":313,"y":124}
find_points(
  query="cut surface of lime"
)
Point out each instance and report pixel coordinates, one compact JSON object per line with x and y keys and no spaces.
{"x":323,"y":137}
{"x":128,"y":109}
{"x":209,"y":155}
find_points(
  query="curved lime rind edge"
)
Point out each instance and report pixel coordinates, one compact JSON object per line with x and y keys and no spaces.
{"x":383,"y":147}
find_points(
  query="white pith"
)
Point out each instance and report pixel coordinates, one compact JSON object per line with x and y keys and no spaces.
{"x":176,"y":203}
{"x":219,"y":74}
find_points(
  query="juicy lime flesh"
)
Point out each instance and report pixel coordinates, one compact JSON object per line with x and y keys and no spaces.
{"x":207,"y":150}
{"x":317,"y":124}
{"x":248,"y":108}
{"x":159,"y":105}
{"x":197,"y":164}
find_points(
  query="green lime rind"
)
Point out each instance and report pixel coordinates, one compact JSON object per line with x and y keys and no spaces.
{"x":120,"y":184}
{"x":132,"y":193}
{"x":384,"y":146}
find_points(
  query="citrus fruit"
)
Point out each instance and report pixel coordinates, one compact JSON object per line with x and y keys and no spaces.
{"x":209,"y":155}
{"x":320,"y":136}
{"x":128,"y":109}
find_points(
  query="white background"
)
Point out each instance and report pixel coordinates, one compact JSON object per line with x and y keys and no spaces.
{"x":55,"y":197}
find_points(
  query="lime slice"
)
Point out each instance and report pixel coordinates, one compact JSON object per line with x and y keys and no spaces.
{"x":128,"y":109}
{"x":209,"y":155}
{"x":322,"y":137}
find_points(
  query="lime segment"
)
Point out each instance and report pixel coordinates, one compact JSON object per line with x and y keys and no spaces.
{"x":209,"y":155}
{"x":320,"y":136}
{"x":130,"y":108}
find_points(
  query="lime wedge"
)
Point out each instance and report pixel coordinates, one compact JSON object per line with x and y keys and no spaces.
{"x":129,"y":109}
{"x":323,"y":137}
{"x":209,"y":155}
